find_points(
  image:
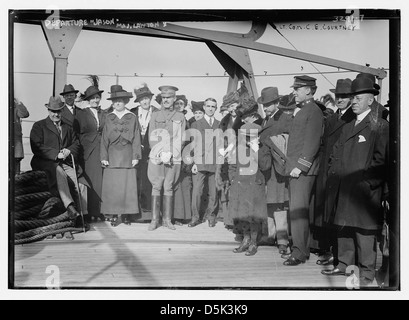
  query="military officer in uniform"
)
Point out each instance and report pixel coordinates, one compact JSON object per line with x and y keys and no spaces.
{"x":302,"y":165}
{"x":166,"y":129}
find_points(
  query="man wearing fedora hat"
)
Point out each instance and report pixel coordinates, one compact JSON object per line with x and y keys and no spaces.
{"x":356,"y":179}
{"x":68,"y":112}
{"x":302,"y":165}
{"x":270,"y":99}
{"x":322,"y":235}
{"x":276,"y":183}
{"x":89,"y":123}
{"x":53,"y":142}
{"x":166,"y":129}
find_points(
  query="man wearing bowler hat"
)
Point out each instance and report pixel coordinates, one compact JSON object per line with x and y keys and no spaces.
{"x":166,"y":129}
{"x":356,"y":178}
{"x":53,"y":142}
{"x":270,"y":99}
{"x":302,"y":165}
{"x":322,"y":236}
{"x":69,"y":110}
{"x":383,"y":112}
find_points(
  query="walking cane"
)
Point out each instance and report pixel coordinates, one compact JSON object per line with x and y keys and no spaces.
{"x":79,"y":194}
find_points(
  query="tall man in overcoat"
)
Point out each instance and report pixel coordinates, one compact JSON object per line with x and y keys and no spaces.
{"x":302,"y":165}
{"x":323,"y":236}
{"x":355,"y":184}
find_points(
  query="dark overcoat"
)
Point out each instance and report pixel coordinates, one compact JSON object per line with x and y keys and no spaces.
{"x":357,"y":174}
{"x":332,"y":132}
{"x":67,"y":116}
{"x":46,"y":143}
{"x":89,"y":133}
{"x":277,"y":191}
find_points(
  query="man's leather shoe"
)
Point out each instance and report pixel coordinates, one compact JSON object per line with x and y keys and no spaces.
{"x":292,"y":262}
{"x":72,"y":212}
{"x":333,"y":272}
{"x":80,"y":224}
{"x":325,"y":261}
{"x":194,"y":223}
{"x":212,"y":223}
{"x":286,"y":255}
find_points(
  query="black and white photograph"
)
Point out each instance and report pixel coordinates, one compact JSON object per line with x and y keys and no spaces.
{"x":238,"y":152}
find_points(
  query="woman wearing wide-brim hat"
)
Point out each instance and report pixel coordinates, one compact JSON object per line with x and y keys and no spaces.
{"x":89,"y":122}
{"x":143,"y":112}
{"x":120,"y":153}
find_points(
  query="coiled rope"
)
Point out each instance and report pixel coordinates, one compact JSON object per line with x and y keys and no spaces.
{"x":24,"y":225}
{"x":46,"y":234}
{"x":26,"y":201}
{"x":38,"y":214}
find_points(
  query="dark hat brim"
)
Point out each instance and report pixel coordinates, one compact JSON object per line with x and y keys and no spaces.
{"x":145,"y":94}
{"x":71,"y":91}
{"x":259,"y":100}
{"x":119,"y":95}
{"x":55,"y":108}
{"x":373,"y":91}
{"x":93,"y":93}
{"x":340,"y":92}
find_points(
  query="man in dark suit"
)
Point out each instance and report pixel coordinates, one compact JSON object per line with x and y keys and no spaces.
{"x":323,"y":237}
{"x":302,"y":165}
{"x":52,"y":143}
{"x":357,"y":174}
{"x":204,"y":167}
{"x":69,"y":110}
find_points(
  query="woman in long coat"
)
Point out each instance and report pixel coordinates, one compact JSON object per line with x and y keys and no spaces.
{"x":182,"y":212}
{"x":120,"y":153}
{"x":89,"y":123}
{"x":247,"y":197}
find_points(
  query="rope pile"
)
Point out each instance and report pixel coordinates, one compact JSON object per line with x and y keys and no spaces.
{"x":37,"y":213}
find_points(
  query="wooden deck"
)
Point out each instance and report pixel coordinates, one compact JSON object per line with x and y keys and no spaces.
{"x":133,"y":257}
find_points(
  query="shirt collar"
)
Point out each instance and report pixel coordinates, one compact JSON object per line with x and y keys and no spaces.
{"x":121,"y":114}
{"x":361,"y":116}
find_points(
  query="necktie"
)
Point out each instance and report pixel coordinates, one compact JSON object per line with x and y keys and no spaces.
{"x":58,"y":126}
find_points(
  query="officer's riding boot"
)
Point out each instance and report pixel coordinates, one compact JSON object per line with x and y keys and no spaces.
{"x":155,"y":212}
{"x":168,"y":212}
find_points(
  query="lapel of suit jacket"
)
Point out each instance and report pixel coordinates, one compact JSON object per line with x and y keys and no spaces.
{"x":51,"y":126}
{"x":359,"y":127}
{"x":64,"y":131}
{"x":91,"y":115}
